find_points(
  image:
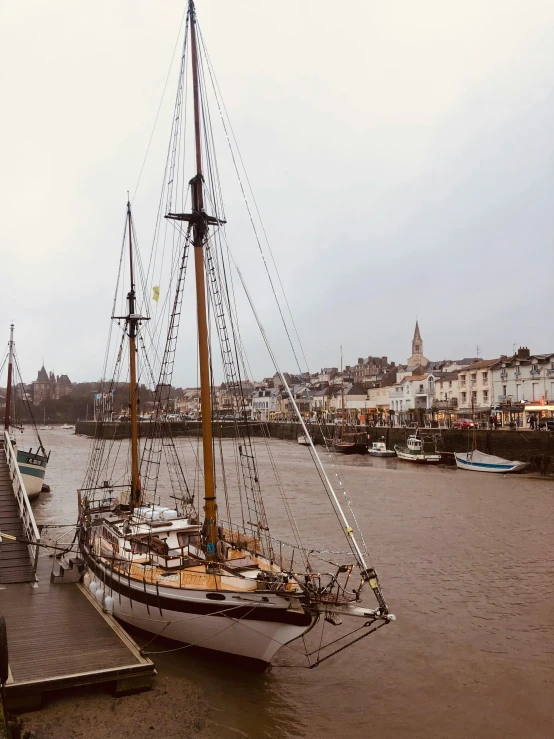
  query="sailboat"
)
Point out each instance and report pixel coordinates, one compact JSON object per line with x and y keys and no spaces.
{"x":44,"y":427}
{"x":32,"y":464}
{"x":347,"y":443}
{"x":477,"y":461}
{"x":216,"y":579}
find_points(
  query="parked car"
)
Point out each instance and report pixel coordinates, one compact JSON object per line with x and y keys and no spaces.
{"x":546,"y":424}
{"x":463,"y":423}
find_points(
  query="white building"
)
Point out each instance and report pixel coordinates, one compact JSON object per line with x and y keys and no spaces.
{"x":410,"y":398}
{"x":522,"y":384}
{"x":475,"y":388}
{"x":265,"y":404}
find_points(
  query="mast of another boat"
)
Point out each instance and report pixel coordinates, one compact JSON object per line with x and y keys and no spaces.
{"x":10,"y":382}
{"x":199,"y":226}
{"x":342,"y":396}
{"x":132,"y":322}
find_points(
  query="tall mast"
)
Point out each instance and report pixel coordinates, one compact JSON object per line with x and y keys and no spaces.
{"x":342,"y":396}
{"x":132,"y":323}
{"x":199,"y":227}
{"x":199,"y":221}
{"x":10,"y":382}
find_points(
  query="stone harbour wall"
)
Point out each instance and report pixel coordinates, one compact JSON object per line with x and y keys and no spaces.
{"x":535,"y":447}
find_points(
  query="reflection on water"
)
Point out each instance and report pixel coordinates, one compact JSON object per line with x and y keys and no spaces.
{"x":465,"y":561}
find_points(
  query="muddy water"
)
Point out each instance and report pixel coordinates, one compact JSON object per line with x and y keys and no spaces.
{"x":466,"y":563}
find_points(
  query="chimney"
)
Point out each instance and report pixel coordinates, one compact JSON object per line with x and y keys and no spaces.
{"x":523,"y":352}
{"x":360,"y":360}
{"x":384,"y":361}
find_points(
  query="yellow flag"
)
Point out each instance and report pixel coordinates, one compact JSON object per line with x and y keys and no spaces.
{"x":156,"y":293}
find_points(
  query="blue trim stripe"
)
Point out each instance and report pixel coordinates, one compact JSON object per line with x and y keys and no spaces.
{"x":487,"y":465}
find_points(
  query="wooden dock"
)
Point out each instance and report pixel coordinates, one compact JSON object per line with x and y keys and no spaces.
{"x":15,"y":560}
{"x":58,"y":635}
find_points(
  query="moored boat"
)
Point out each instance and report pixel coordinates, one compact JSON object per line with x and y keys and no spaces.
{"x":181,"y":570}
{"x":343,"y":446}
{"x":415,"y":451}
{"x":303,"y":440}
{"x":476,"y":461}
{"x":379,"y":449}
{"x":32,"y":463}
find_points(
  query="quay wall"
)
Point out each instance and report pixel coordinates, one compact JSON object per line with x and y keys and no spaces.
{"x":535,"y":447}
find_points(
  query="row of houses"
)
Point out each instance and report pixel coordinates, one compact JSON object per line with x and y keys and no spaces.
{"x":508,"y":390}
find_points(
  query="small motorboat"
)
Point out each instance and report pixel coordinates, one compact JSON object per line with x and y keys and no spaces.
{"x":415,"y":451}
{"x":66,"y":426}
{"x":477,"y":461}
{"x":379,"y":449}
{"x":303,"y":440}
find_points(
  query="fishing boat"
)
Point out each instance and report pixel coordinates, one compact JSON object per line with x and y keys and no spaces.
{"x":379,"y":449}
{"x":66,"y":427}
{"x":303,"y":440}
{"x":416,"y":451}
{"x":32,"y":463}
{"x":476,"y":461}
{"x":207,"y":574}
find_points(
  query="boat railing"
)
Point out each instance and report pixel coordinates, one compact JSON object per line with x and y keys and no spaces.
{"x":30,"y":528}
{"x":285,"y":554}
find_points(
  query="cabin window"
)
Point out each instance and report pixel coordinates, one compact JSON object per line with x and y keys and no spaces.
{"x":139,"y":547}
{"x":186,"y":539}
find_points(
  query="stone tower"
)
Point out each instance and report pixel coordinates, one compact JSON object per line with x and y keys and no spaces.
{"x":417,"y":359}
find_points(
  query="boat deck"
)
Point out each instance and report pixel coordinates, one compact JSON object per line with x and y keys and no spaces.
{"x":59,"y":637}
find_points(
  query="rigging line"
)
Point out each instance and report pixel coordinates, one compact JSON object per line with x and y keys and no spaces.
{"x":234,"y":622}
{"x":252,"y":223}
{"x":166,"y":190}
{"x":347,"y":530}
{"x":217,"y":90}
{"x":185,"y":14}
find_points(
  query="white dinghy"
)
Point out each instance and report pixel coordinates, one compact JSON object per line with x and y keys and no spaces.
{"x":477,"y":461}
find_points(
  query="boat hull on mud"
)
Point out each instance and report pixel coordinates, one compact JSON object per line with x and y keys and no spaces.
{"x":246,"y":626}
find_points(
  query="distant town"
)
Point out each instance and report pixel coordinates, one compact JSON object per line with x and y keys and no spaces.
{"x":506,"y":391}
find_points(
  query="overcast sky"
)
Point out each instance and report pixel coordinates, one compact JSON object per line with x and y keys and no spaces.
{"x":401,"y":155}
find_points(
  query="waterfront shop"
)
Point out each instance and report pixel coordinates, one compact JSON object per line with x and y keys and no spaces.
{"x":537,"y":412}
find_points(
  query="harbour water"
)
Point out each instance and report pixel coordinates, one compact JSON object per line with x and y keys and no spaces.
{"x":465,"y":561}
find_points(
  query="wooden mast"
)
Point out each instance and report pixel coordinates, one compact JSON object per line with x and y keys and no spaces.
{"x":342,"y":396}
{"x":132,"y":322}
{"x":199,"y":227}
{"x":10,"y":382}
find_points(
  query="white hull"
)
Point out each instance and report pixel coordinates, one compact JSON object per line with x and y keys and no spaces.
{"x":421,"y":458}
{"x":33,"y":485}
{"x":482,"y":464}
{"x":388,"y":453}
{"x":231,"y":628}
{"x":259,"y":640}
{"x":303,"y":441}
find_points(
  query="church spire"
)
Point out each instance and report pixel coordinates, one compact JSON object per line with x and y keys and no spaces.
{"x":417,"y":342}
{"x":417,"y":359}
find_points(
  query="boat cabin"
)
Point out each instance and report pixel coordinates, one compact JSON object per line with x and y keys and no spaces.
{"x":415,"y":444}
